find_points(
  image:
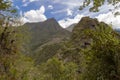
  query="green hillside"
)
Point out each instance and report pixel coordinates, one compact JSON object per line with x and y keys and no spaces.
{"x":47,"y":32}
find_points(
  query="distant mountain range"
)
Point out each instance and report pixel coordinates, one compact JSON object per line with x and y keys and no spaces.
{"x":47,"y":38}
{"x":70,"y":28}
{"x":47,"y":32}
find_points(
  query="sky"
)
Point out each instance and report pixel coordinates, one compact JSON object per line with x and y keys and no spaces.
{"x":66,"y":12}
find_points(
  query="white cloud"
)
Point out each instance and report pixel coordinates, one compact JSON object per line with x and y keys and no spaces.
{"x":69,"y":12}
{"x":68,"y":21}
{"x":70,"y":7}
{"x":35,"y":15}
{"x":103,"y":15}
{"x":17,"y":7}
{"x":106,"y":16}
{"x":24,"y":1}
{"x":69,"y":3}
{"x":33,"y":0}
{"x":59,"y":11}
{"x":109,"y":18}
{"x":50,"y":6}
{"x":27,"y":2}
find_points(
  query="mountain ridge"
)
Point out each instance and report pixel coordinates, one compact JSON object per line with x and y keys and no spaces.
{"x":70,"y":28}
{"x":46,"y":32}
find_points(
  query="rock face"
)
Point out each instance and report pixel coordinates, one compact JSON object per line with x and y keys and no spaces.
{"x":47,"y":31}
{"x":85,"y":23}
{"x":78,"y":34}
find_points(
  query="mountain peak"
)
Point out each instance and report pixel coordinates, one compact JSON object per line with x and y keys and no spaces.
{"x":52,"y":19}
{"x":71,"y":27}
{"x":46,"y":31}
{"x":87,"y":23}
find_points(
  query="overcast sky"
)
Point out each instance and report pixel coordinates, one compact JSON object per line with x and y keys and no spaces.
{"x":66,"y":12}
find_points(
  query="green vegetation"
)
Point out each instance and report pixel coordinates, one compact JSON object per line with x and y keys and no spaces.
{"x":46,"y":52}
{"x":102,"y":56}
{"x":45,"y":33}
{"x":97,"y":4}
{"x":92,"y":52}
{"x":54,"y":69}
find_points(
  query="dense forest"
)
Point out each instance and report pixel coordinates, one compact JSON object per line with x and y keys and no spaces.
{"x":90,"y":50}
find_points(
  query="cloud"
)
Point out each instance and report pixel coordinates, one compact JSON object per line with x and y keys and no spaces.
{"x":110,"y":18}
{"x":103,"y":15}
{"x":32,"y":0}
{"x":50,"y":6}
{"x":17,"y":7}
{"x":69,"y":3}
{"x":69,"y":12}
{"x":27,"y":2}
{"x":59,"y":11}
{"x":24,"y":1}
{"x":35,"y":15}
{"x":68,"y":21}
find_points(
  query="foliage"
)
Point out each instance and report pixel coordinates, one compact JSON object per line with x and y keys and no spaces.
{"x":97,"y":4}
{"x":102,"y":56}
{"x":14,"y":65}
{"x":8,"y":13}
{"x":92,"y":53}
{"x":11,"y":49}
{"x":25,"y":69}
{"x":8,"y":50}
{"x":55,"y":69}
{"x":45,"y":33}
{"x":46,"y":52}
{"x":94,"y":48}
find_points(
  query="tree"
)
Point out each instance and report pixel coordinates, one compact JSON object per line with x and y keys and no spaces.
{"x":8,"y":13}
{"x":10,"y":41}
{"x":97,"y":4}
{"x":53,"y":70}
{"x":56,"y":69}
{"x":94,"y":48}
{"x":102,"y":57}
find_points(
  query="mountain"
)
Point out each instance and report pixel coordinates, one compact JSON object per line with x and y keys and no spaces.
{"x":47,"y":32}
{"x":117,"y":30}
{"x":81,"y":39}
{"x":78,"y":33}
{"x":70,"y":28}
